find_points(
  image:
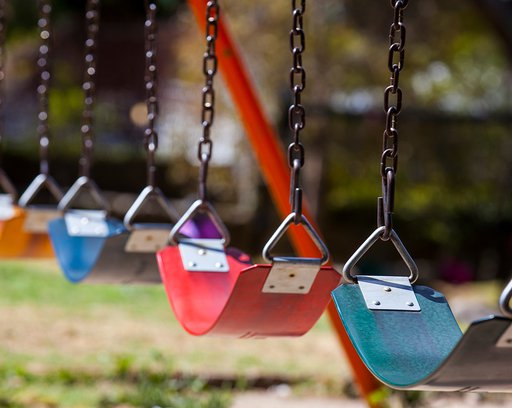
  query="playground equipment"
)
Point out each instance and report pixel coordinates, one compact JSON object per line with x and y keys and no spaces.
{"x":272,"y":161}
{"x":9,"y":212}
{"x":89,"y":244}
{"x":215,"y":289}
{"x":80,"y":235}
{"x":407,"y":335}
{"x":26,"y":233}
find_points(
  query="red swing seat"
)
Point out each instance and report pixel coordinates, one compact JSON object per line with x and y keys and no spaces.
{"x":240,"y":302}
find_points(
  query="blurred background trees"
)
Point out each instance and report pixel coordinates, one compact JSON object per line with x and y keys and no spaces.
{"x":454,"y":184}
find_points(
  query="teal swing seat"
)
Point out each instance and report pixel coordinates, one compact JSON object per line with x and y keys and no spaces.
{"x":407,"y":335}
{"x":409,"y":339}
{"x":426,"y":350}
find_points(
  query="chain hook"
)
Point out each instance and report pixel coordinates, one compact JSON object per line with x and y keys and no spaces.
{"x":385,"y":205}
{"x":296,"y":192}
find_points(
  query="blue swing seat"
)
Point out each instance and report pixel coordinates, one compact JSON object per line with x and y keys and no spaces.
{"x":78,"y":255}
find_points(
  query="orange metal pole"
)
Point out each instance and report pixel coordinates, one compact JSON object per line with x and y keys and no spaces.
{"x":273,"y":164}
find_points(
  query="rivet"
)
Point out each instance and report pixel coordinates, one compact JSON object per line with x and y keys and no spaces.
{"x":271,"y":286}
{"x":218,"y":265}
{"x":376,"y":302}
{"x":192,"y":264}
{"x":291,"y":275}
{"x":410,"y":304}
{"x":508,"y":341}
{"x":387,"y":289}
{"x":75,"y":230}
{"x":84,"y":220}
{"x":202,"y":252}
{"x":301,"y":287}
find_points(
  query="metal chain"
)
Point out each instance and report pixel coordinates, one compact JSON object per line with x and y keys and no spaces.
{"x":89,"y":85}
{"x":2,"y":63}
{"x":392,"y":108}
{"x":43,"y":63}
{"x":296,"y":112}
{"x":210,"y":62}
{"x":150,"y":135}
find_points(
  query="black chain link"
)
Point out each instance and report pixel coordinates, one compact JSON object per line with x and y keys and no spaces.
{"x":392,"y":108}
{"x":2,"y":65}
{"x":92,"y":16}
{"x":296,"y":112}
{"x":43,"y":63}
{"x":210,"y":62}
{"x":150,"y":135}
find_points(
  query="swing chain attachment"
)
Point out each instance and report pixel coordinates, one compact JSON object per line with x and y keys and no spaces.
{"x":297,"y":122}
{"x":89,"y":86}
{"x":506,"y":300}
{"x":151,"y":192}
{"x":389,"y":157}
{"x":43,"y":180}
{"x":45,"y":9}
{"x":3,"y":23}
{"x":370,"y":241}
{"x":205,"y":208}
{"x":150,"y":134}
{"x":392,"y":108}
{"x":5,"y":182}
{"x":297,"y":112}
{"x":210,"y":63}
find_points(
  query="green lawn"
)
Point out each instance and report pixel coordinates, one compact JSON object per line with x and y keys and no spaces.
{"x":65,"y":345}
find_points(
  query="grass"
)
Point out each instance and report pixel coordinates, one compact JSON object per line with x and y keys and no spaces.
{"x":73,"y":346}
{"x":79,"y":346}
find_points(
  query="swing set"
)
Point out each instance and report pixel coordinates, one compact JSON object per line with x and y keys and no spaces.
{"x":24,"y":231}
{"x":392,"y":330}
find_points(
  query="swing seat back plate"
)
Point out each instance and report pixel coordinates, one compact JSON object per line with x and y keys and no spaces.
{"x":425,"y":349}
{"x":203,"y":255}
{"x":38,"y":217}
{"x":235,"y":303}
{"x":148,"y":238}
{"x":98,"y":257}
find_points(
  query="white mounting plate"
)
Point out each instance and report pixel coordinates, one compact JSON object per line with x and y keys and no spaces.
{"x":37,"y":218}
{"x":147,"y":240}
{"x":6,"y":207}
{"x":203,"y":255}
{"x":291,"y":275}
{"x":506,"y":338}
{"x":388,"y":293}
{"x":86,"y":223}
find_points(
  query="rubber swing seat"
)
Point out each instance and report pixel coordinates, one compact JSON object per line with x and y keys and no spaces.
{"x":80,"y":257}
{"x":425,"y":350}
{"x":233,"y":303}
{"x":16,"y":242}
